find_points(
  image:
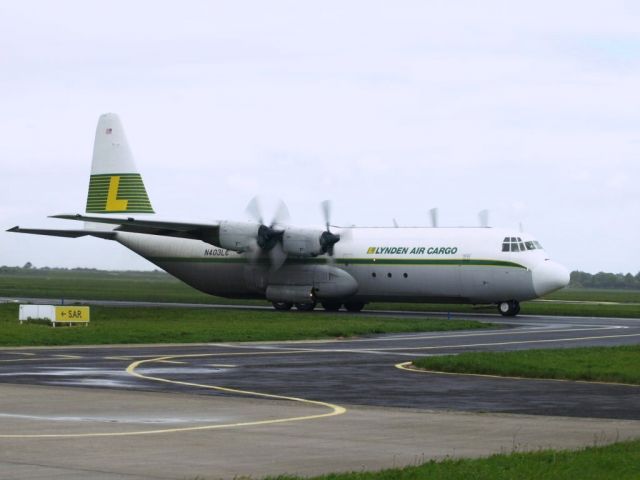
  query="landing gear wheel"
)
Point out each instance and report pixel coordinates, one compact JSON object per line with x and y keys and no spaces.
{"x":354,"y":306}
{"x":510,"y":308}
{"x":305,"y":307}
{"x":331,"y":306}
{"x":282,"y":306}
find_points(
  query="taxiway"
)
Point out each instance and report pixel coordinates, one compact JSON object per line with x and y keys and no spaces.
{"x":224,"y":410}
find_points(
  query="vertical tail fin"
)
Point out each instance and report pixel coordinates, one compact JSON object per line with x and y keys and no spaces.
{"x":115,"y":185}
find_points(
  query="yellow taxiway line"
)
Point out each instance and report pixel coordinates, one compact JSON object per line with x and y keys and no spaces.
{"x":131,"y":369}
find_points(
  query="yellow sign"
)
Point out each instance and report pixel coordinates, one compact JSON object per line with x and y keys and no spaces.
{"x":72,"y":314}
{"x":113,"y":203}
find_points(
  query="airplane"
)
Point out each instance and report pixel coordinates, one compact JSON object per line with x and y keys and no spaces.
{"x":287,"y":265}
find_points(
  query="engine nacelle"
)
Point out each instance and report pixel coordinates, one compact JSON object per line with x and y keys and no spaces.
{"x":290,"y":293}
{"x":238,"y":236}
{"x":303,"y":283}
{"x":302,"y":242}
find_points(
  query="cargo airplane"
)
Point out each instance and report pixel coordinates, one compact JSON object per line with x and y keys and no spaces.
{"x":288,"y":265}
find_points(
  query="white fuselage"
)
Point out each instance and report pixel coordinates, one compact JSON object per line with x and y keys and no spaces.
{"x":459,"y":265}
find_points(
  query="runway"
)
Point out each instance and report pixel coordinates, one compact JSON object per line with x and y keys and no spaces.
{"x":298,"y":399}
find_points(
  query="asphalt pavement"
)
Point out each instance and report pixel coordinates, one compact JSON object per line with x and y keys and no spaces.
{"x":310,"y":384}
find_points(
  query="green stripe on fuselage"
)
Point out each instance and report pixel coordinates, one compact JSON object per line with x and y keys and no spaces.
{"x":349,"y":261}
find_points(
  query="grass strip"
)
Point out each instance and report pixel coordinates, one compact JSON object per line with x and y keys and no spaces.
{"x":102,"y":285}
{"x":113,"y":325}
{"x":600,"y":364}
{"x":620,"y":461}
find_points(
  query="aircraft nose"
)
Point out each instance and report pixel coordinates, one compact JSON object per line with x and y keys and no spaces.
{"x":549,"y":277}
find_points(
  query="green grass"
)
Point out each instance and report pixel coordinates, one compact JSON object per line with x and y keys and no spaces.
{"x":602,"y":364}
{"x":112,"y":325}
{"x":620,"y":461}
{"x":101,"y":285}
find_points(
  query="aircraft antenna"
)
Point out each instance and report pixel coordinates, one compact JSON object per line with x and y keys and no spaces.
{"x":483,"y":217}
{"x":434,"y":217}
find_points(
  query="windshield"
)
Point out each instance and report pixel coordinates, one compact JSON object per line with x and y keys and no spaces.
{"x":516,"y":244}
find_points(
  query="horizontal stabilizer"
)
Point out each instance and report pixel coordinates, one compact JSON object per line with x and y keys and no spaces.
{"x":207,"y":232}
{"x":63,"y":233}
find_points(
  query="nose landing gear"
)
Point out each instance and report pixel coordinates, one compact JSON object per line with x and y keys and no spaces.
{"x":510,"y":308}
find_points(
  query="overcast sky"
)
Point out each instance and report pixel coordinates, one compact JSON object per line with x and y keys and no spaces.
{"x":528,"y":109}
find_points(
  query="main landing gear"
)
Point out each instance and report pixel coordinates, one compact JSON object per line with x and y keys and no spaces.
{"x":510,"y":308}
{"x":354,"y":306}
{"x":301,"y":307}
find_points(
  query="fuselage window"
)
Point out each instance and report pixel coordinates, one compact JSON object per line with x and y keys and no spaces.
{"x":515,"y":247}
{"x":373,"y":274}
{"x":530,"y":245}
{"x":505,"y":247}
{"x":405,"y":275}
{"x":537,"y":244}
{"x":389,"y":275}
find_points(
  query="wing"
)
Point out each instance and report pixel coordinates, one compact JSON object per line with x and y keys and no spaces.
{"x":206,"y":232}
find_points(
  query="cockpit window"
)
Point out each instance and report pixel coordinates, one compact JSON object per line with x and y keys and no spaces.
{"x":516,"y":244}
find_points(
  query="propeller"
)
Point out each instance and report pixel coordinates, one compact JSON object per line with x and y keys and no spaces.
{"x":269,"y":236}
{"x":395,"y":223}
{"x":279,"y":241}
{"x":434,"y":217}
{"x":328,"y":239}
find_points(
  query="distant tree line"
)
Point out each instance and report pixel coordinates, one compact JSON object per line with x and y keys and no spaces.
{"x":29,"y":267}
{"x":605,"y":280}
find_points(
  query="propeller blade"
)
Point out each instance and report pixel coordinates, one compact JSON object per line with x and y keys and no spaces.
{"x":277,"y":257}
{"x":281,"y":216}
{"x":254,"y":252}
{"x":326,"y":212}
{"x":254,"y":211}
{"x":328,"y":239}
